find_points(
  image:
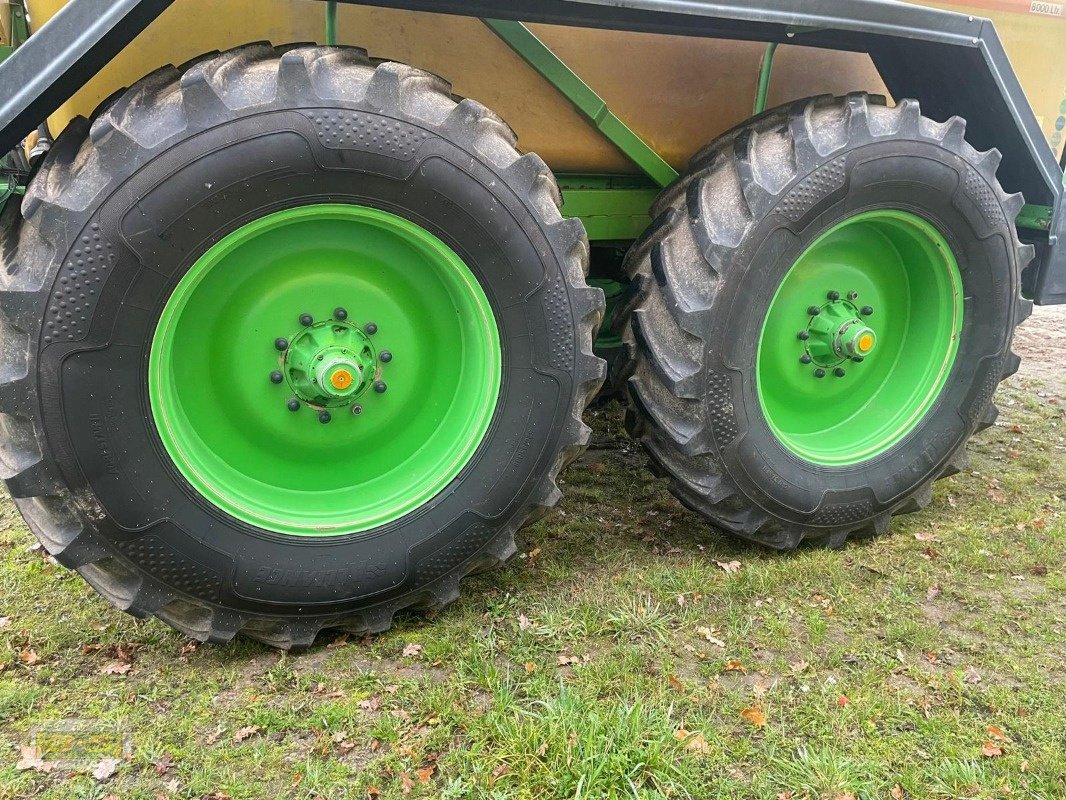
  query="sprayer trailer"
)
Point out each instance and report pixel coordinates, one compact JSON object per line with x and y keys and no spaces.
{"x":295,"y":336}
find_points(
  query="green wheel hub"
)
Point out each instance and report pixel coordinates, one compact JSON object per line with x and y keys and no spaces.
{"x":860,"y":337}
{"x":324,"y":370}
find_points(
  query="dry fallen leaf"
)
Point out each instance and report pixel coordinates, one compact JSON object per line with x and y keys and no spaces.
{"x":996,"y":732}
{"x":530,"y":667}
{"x":410,"y":650}
{"x":245,"y":732}
{"x":28,"y":759}
{"x":897,"y":792}
{"x":424,"y":774}
{"x":708,"y":634}
{"x":694,"y":741}
{"x":971,"y":675}
{"x":733,"y":665}
{"x":843,"y":700}
{"x":116,"y":668}
{"x":990,"y":749}
{"x":407,"y":783}
{"x":28,"y":656}
{"x":933,"y":592}
{"x":755,"y":715}
{"x":675,"y":683}
{"x":106,"y":768}
{"x":729,"y":566}
{"x":926,"y":536}
{"x":565,"y":660}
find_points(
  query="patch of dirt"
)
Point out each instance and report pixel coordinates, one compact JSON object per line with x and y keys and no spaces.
{"x":1041,"y":342}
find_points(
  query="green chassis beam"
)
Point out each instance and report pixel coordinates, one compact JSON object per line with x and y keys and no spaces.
{"x":591,"y":105}
{"x":18,"y":30}
{"x":612,"y":207}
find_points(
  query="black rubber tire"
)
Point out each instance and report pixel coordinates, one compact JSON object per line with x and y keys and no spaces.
{"x":703,"y":276}
{"x":121,"y":208}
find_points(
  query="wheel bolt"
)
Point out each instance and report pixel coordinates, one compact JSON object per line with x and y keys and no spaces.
{"x":385,"y":356}
{"x":293,"y":404}
{"x":276,"y":377}
{"x":839,"y":372}
{"x":834,"y":296}
{"x":853,"y":295}
{"x":814,"y":311}
{"x":805,"y":359}
{"x":340,"y":313}
{"x":380,"y":387}
{"x":371,"y":328}
{"x":281,"y":343}
{"x":819,"y":373}
{"x":324,"y":417}
{"x":803,"y":335}
{"x":357,"y":410}
{"x":866,"y":310}
{"x":306,"y":319}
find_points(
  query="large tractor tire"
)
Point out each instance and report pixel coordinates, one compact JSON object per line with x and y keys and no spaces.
{"x":293,"y":339}
{"x":820,"y":315}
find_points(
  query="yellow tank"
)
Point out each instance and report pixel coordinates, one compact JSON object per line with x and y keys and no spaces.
{"x":676,"y":92}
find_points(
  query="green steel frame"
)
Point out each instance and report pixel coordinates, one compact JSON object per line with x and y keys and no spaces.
{"x":615,"y":208}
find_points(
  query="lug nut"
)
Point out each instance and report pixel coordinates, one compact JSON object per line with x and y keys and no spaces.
{"x":839,"y":372}
{"x":340,"y":313}
{"x":324,"y":417}
{"x":276,"y":377}
{"x":803,"y":335}
{"x":357,"y":410}
{"x":385,"y":356}
{"x":834,"y":296}
{"x":306,"y":319}
{"x":814,"y":311}
{"x":857,"y":359}
{"x":293,"y":404}
{"x":380,"y":387}
{"x":281,"y":343}
{"x":819,"y":373}
{"x":866,"y":310}
{"x":805,"y":359}
{"x":371,"y":328}
{"x":853,"y":295}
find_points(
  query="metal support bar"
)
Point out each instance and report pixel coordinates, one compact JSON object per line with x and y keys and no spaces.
{"x":591,"y":105}
{"x":765,"y":68}
{"x":331,"y":22}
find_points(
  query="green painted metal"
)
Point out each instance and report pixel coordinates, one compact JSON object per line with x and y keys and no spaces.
{"x":591,"y":105}
{"x":17,"y":26}
{"x":831,"y":408}
{"x":226,"y":423}
{"x":765,"y":69}
{"x":612,"y":207}
{"x":331,"y":22}
{"x":330,"y":363}
{"x":612,"y":292}
{"x":1035,"y":217}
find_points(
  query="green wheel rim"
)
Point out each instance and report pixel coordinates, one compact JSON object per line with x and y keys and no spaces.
{"x":324,"y":370}
{"x":860,"y":337}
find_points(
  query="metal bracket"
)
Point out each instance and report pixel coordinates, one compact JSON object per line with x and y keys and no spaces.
{"x":593,"y":107}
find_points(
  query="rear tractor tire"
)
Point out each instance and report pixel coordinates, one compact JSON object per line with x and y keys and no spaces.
{"x":819,"y":316}
{"x":293,"y":340}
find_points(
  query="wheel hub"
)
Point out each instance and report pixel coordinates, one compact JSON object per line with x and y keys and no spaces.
{"x":835,"y":333}
{"x":330,"y":364}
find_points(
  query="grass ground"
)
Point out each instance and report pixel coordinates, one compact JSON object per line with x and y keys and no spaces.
{"x":629,"y":651}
